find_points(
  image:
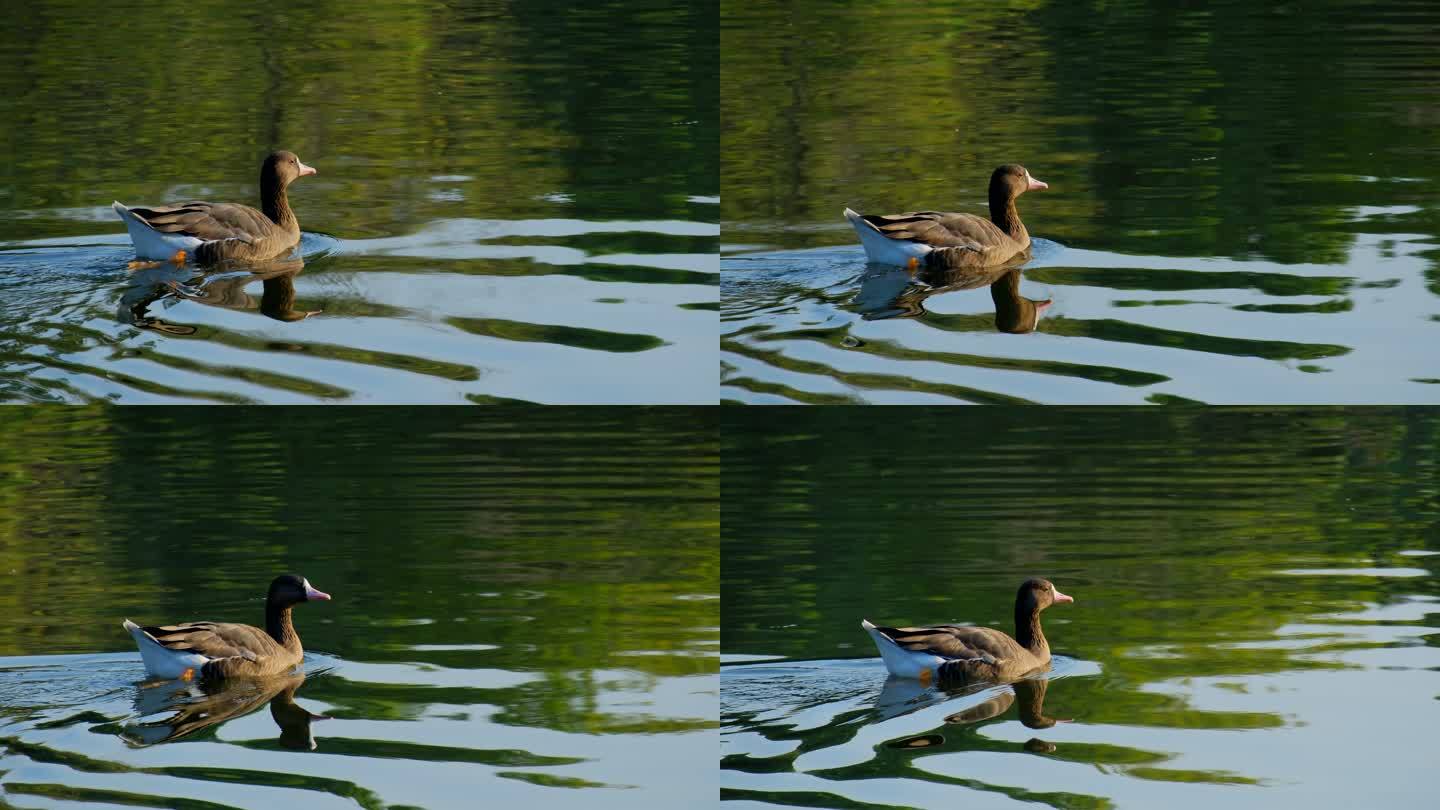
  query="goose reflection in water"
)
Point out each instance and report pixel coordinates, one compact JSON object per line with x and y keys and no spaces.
{"x":891,"y":292}
{"x":197,"y":705}
{"x":223,"y":288}
{"x":1029,"y":693}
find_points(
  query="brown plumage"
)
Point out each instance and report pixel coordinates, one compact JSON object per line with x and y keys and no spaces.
{"x":216,"y":232}
{"x":224,"y":650}
{"x":966,"y":653}
{"x":953,"y":240}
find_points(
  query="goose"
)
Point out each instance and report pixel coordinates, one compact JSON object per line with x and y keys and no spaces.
{"x":221,"y":650}
{"x":952,"y":240}
{"x":215,"y":232}
{"x":965,"y":653}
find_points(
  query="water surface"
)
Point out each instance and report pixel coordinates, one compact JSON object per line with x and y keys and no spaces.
{"x":1241,"y":205}
{"x":1254,"y":593}
{"x":514,"y":202}
{"x":522,"y":611}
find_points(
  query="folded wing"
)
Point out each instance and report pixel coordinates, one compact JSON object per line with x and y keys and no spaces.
{"x":956,"y":642}
{"x":940,"y":230}
{"x":215,"y":639}
{"x":207,"y":221}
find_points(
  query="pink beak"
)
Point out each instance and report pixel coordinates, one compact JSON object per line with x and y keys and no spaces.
{"x":304,"y":170}
{"x":1035,"y":185}
{"x":1059,"y":597}
{"x":1040,"y":307}
{"x":313,"y":595}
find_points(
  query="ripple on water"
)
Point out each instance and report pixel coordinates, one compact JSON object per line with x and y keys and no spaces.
{"x":81,"y":728}
{"x":1355,"y":572}
{"x":822,"y":326}
{"x":461,"y":310}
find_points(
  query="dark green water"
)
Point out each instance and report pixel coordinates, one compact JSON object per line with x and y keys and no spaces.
{"x":1242,"y":203}
{"x":1257,"y":607}
{"x":514,"y":201}
{"x":524,"y":610}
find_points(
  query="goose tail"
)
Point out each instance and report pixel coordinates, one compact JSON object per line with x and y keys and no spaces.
{"x":160,"y":660}
{"x":880,"y":248}
{"x":129,"y":217}
{"x":889,"y":650}
{"x":898,"y":660}
{"x":150,"y":243}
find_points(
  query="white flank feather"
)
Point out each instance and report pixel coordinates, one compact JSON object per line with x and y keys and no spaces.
{"x":150,"y":243}
{"x":900,"y":661}
{"x":882,"y":249}
{"x":161,"y":661}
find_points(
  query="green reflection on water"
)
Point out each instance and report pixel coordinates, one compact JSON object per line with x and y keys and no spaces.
{"x":1211,"y":553}
{"x":579,"y":337}
{"x":1298,"y":145}
{"x":601,"y":522}
{"x":508,"y":593}
{"x":501,"y":105}
{"x":1088,"y":491}
{"x":488,"y":142}
{"x":1231,"y":129}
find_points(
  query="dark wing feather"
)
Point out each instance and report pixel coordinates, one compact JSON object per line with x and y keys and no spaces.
{"x":956,"y":642}
{"x":940,"y":230}
{"x":208,"y":221}
{"x":216,"y":640}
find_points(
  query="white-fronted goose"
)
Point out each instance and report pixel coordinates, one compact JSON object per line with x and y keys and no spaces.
{"x":214,"y":232}
{"x":952,"y":240}
{"x":222,"y":650}
{"x":964,"y":653}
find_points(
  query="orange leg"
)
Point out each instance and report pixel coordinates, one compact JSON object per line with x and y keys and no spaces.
{"x":925,"y":674}
{"x":188,"y":674}
{"x":178,"y":258}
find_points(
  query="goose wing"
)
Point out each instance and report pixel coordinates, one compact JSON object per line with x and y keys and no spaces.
{"x":215,"y":639}
{"x":207,"y":221}
{"x":940,"y":230}
{"x":956,"y":642}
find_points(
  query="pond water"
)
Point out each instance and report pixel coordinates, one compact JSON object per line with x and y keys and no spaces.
{"x":513,"y":203}
{"x":524,"y":612}
{"x":1242,"y":202}
{"x":1256,"y":619}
